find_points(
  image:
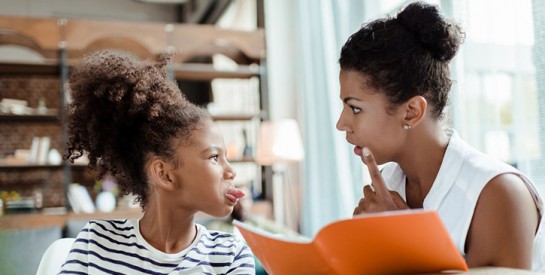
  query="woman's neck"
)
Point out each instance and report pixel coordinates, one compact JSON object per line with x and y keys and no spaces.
{"x":421,"y":162}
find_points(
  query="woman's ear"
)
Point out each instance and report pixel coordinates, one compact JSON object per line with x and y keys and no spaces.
{"x":416,"y":108}
{"x":159,"y":173}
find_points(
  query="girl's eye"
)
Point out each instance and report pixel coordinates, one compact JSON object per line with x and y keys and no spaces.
{"x":355,"y":110}
{"x":215,"y":158}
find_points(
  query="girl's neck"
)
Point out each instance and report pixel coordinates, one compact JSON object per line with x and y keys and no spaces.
{"x":166,"y":229}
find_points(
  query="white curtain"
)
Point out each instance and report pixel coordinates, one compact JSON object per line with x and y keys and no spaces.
{"x":304,"y":39}
{"x":495,"y":97}
{"x":538,"y":8}
{"x":333,"y":174}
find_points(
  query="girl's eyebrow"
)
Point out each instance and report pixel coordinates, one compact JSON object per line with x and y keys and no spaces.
{"x":213,"y":148}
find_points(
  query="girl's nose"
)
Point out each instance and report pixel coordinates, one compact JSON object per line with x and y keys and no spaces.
{"x":229,"y":173}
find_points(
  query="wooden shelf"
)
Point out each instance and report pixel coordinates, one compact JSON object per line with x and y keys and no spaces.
{"x":37,"y":219}
{"x":38,"y":166}
{"x":234,"y":117}
{"x":241,"y":160}
{"x":41,"y":68}
{"x":207,"y":72}
{"x":29,"y":118}
{"x":188,"y":71}
{"x":79,"y":166}
{"x":41,"y":218}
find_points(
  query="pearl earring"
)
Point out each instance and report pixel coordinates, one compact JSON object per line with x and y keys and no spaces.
{"x":406,"y":126}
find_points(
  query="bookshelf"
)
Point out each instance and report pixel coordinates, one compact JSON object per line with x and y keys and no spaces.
{"x":62,"y":42}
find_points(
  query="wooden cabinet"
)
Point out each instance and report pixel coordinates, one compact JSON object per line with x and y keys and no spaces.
{"x":60,"y":43}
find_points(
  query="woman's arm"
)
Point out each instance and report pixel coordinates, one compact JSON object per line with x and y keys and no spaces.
{"x":503,"y":226}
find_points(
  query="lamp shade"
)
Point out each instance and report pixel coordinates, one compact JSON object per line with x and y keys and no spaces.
{"x":279,"y":141}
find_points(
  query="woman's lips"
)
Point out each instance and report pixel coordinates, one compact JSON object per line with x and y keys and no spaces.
{"x":234,"y":194}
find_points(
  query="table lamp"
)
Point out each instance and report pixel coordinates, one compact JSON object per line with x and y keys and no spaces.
{"x":279,"y":144}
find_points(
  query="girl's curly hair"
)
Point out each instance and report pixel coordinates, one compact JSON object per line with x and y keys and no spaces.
{"x":407,"y":55}
{"x":123,"y":110}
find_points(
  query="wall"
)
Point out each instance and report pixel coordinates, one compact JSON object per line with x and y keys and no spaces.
{"x":96,"y":9}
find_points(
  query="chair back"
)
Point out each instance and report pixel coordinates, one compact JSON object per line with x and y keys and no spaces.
{"x":55,"y":256}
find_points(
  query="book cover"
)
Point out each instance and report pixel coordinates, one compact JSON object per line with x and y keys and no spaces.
{"x":79,"y":199}
{"x":43,"y":150}
{"x":409,"y":241}
{"x":33,"y":158}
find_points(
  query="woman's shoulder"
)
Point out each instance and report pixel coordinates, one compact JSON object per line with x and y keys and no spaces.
{"x":472,"y":162}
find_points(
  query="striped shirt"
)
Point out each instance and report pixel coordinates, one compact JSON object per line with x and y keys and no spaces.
{"x":117,"y":247}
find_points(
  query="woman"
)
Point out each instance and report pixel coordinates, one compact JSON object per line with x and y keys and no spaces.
{"x":394,"y":82}
{"x":136,"y":125}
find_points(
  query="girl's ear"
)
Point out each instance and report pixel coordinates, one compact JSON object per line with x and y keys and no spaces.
{"x":159,"y":174}
{"x":415,"y":111}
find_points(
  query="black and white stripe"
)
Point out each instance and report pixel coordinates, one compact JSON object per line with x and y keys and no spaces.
{"x":116,"y":247}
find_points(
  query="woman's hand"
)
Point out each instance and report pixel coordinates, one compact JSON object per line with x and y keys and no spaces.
{"x":376,"y":196}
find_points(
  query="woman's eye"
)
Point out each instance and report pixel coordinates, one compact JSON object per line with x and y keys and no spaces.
{"x":355,"y":110}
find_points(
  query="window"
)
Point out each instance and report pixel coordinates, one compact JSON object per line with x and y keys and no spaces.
{"x":494,"y":102}
{"x":494,"y":99}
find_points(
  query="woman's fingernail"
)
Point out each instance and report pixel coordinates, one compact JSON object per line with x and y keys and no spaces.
{"x":366,"y":151}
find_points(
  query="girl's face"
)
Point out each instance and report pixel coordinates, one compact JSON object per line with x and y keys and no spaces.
{"x":367,"y":119}
{"x":203,"y":175}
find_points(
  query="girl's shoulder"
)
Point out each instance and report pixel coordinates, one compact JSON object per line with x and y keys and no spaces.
{"x":216,"y":235}
{"x":113,"y":224}
{"x":109,"y":229}
{"x":220,"y":239}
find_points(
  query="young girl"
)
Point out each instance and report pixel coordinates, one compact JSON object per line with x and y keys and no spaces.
{"x":394,"y":85}
{"x":136,"y":125}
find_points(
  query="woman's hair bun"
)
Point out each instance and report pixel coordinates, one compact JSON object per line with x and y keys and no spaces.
{"x":439,"y":36}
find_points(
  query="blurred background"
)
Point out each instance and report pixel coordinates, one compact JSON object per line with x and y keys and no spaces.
{"x":268,"y":72}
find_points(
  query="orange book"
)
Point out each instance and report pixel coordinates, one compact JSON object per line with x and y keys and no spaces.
{"x":408,"y":241}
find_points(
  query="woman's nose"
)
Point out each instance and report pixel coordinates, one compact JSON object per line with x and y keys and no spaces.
{"x":341,"y":124}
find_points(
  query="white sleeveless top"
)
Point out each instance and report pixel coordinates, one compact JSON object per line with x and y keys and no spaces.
{"x":463,"y":174}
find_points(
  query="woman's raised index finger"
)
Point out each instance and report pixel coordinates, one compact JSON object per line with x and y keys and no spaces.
{"x":374,"y":171}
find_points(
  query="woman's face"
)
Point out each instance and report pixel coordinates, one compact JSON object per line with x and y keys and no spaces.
{"x":203,"y":175}
{"x":367,"y":119}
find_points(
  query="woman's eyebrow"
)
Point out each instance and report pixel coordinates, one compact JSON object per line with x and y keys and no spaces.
{"x":346,"y":99}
